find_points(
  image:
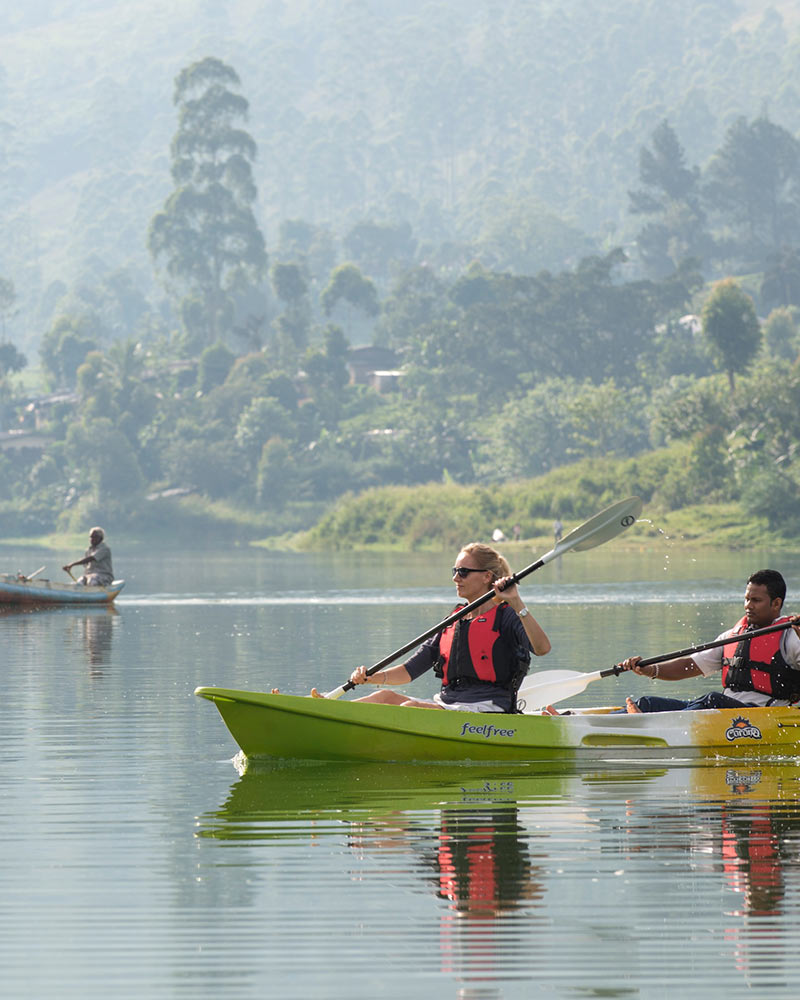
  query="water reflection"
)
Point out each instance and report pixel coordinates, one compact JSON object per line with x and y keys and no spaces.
{"x":758,"y":843}
{"x":87,"y":629}
{"x":757,"y":839}
{"x":742,"y":823}
{"x":476,"y":840}
{"x":96,"y":632}
{"x":494,"y":848}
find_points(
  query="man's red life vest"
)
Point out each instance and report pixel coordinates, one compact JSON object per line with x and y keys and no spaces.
{"x":489,"y":657}
{"x":758,"y":665}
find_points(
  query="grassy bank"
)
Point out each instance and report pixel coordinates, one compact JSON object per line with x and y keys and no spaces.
{"x":443,"y":516}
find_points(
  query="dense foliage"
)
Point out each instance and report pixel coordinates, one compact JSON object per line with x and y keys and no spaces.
{"x":583,"y":256}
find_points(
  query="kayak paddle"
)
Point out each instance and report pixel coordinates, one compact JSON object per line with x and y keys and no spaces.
{"x":551,"y":686}
{"x":603,"y":526}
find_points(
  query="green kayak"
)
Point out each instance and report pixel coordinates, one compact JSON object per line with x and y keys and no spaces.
{"x":287,"y":726}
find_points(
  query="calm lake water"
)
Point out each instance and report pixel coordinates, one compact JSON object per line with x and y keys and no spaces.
{"x":137,"y":861}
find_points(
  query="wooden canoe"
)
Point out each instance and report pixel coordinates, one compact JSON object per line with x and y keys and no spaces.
{"x":15,"y":589}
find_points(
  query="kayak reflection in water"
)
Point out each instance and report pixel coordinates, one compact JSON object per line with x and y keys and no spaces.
{"x":483,"y":657}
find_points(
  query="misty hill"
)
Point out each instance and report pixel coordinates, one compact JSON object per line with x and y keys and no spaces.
{"x":509,"y":130}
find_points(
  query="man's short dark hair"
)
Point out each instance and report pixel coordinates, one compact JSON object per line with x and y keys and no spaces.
{"x":772,"y":580}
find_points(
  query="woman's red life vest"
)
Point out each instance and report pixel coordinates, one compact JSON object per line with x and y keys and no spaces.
{"x":758,"y":665}
{"x":491,"y":658}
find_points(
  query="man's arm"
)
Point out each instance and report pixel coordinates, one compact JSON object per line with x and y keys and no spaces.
{"x":79,"y":562}
{"x":670,"y":670}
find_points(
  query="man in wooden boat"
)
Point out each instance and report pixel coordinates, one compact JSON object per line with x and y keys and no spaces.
{"x":755,"y":672}
{"x":97,"y":560}
{"x":482,"y":658}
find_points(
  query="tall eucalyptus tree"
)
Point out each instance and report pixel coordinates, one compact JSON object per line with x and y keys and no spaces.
{"x":206,"y":238}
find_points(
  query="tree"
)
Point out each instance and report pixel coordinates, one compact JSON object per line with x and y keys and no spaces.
{"x":276,"y":477}
{"x":262,"y":420}
{"x":731,"y":327}
{"x":348,"y":284}
{"x":605,"y":420}
{"x":327,"y":373}
{"x":417,"y":298}
{"x":780,"y":334}
{"x":753,"y":181}
{"x":215,"y":365}
{"x":773,"y":494}
{"x":291,"y":286}
{"x":206,"y":237}
{"x":780,"y":285}
{"x":670,"y":191}
{"x":381,"y":247}
{"x":8,"y":297}
{"x":66,"y":344}
{"x":11,"y":360}
{"x":104,"y":462}
{"x":313,"y":246}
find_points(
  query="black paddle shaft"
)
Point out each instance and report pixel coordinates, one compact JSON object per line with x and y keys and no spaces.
{"x":456,"y":616}
{"x":747,"y":634}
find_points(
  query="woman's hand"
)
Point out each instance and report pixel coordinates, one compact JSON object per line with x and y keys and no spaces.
{"x":359,"y":675}
{"x":505,"y":589}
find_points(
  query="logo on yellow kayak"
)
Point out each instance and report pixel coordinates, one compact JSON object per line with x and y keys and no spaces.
{"x":742,"y":729}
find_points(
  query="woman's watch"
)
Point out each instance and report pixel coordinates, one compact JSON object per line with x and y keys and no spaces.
{"x":522,"y":612}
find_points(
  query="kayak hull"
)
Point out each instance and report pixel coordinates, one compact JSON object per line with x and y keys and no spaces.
{"x":16,"y":591}
{"x":286,"y":726}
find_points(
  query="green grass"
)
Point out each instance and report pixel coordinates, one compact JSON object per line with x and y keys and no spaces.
{"x":442,"y":515}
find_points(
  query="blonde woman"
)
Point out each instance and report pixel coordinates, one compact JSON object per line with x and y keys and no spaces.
{"x":482,"y":658}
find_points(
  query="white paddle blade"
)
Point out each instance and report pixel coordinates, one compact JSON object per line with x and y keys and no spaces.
{"x":551,"y":686}
{"x":602,"y":527}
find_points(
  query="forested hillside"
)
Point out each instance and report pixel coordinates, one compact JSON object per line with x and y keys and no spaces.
{"x":573,"y":230}
{"x":512,"y":129}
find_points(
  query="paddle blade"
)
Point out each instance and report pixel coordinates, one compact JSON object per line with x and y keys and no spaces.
{"x":551,"y":686}
{"x":603,"y":526}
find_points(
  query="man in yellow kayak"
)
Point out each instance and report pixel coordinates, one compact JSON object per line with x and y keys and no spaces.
{"x":755,"y":672}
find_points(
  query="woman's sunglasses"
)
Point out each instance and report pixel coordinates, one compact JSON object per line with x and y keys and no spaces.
{"x":464,"y":571}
